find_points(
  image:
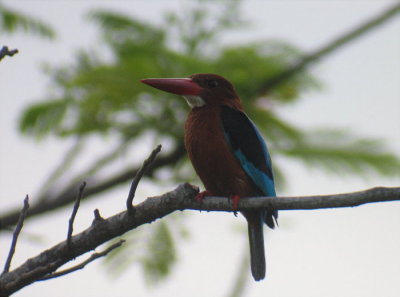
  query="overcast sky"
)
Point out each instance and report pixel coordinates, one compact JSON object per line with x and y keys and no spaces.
{"x":348,"y":252}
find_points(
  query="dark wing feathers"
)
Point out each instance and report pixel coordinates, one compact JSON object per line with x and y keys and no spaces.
{"x":249,"y":148}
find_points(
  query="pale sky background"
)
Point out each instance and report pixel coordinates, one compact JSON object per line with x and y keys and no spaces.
{"x":341,"y":252}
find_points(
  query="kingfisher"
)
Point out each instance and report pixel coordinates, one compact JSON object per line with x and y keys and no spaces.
{"x":227,"y":151}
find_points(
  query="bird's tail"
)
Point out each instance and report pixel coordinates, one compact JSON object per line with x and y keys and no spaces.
{"x":257,"y":253}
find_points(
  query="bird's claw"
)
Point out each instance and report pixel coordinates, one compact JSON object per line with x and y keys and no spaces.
{"x":235,"y":203}
{"x":200,"y":196}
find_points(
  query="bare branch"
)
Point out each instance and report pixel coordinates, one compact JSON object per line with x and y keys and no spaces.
{"x":183,"y":197}
{"x":95,"y":187}
{"x":18,"y":229}
{"x":51,"y":259}
{"x":82,"y":265}
{"x":138,"y":176}
{"x":333,"y":45}
{"x":378,"y":194}
{"x":4,"y":51}
{"x":97,"y":216}
{"x":74,"y":212}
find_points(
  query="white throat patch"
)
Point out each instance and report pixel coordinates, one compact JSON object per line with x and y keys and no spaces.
{"x":194,"y":101}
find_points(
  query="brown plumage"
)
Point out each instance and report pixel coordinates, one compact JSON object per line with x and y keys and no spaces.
{"x":226,"y":150}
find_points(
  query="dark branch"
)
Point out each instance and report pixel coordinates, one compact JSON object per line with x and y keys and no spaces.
{"x":138,"y":177}
{"x":18,"y":229}
{"x":333,"y":45}
{"x":84,"y":263}
{"x":74,"y":212}
{"x":51,"y":259}
{"x":97,"y":216}
{"x":68,"y":196}
{"x":155,"y":208}
{"x":4,"y":51}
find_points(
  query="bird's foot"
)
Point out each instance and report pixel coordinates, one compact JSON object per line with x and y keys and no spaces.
{"x":235,"y":203}
{"x":200,"y":196}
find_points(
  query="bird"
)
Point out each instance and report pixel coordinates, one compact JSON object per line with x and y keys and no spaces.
{"x":226,"y":150}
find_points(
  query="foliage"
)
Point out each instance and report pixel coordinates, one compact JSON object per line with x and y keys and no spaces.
{"x":103,"y":97}
{"x":11,"y":21}
{"x":154,"y":247}
{"x":342,"y":153}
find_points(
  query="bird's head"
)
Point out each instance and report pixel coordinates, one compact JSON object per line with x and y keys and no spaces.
{"x":199,"y":90}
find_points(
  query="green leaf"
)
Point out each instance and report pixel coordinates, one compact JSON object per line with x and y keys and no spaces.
{"x":249,"y":66}
{"x":344,"y":154}
{"x":157,"y":262}
{"x":11,"y":21}
{"x":277,"y":131}
{"x":124,"y":33}
{"x":41,"y":118}
{"x":152,"y":247}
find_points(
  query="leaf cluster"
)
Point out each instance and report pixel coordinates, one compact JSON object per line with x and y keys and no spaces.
{"x":12,"y":21}
{"x":155,"y":250}
{"x":98,"y":97}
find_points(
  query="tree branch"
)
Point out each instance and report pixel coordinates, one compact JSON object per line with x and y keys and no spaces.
{"x":138,"y":176}
{"x":84,"y":263}
{"x":183,"y":197}
{"x":74,"y":212}
{"x":378,"y":194}
{"x":4,"y":51}
{"x":18,"y":229}
{"x":333,"y":45}
{"x":69,"y":195}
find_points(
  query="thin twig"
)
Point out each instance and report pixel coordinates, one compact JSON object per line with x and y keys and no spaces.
{"x":138,"y":176}
{"x":6,"y":52}
{"x":18,"y":229}
{"x":97,"y":217}
{"x":84,"y":263}
{"x":73,"y":215}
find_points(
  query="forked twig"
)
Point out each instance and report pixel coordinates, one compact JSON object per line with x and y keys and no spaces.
{"x":138,"y":176}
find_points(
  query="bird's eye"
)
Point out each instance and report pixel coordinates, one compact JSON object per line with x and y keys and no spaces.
{"x":212,"y":83}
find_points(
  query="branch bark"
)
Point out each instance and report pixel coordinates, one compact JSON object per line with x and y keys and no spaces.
{"x":82,"y":265}
{"x":183,"y":197}
{"x":139,"y":175}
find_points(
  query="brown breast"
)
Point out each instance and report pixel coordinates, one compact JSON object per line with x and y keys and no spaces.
{"x":212,"y":157}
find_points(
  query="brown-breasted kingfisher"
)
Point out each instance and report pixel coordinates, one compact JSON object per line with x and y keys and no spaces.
{"x":226,"y":150}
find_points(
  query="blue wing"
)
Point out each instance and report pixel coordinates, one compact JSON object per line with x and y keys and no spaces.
{"x":249,"y":148}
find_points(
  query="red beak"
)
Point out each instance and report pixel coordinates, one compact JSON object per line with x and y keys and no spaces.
{"x":179,"y":86}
